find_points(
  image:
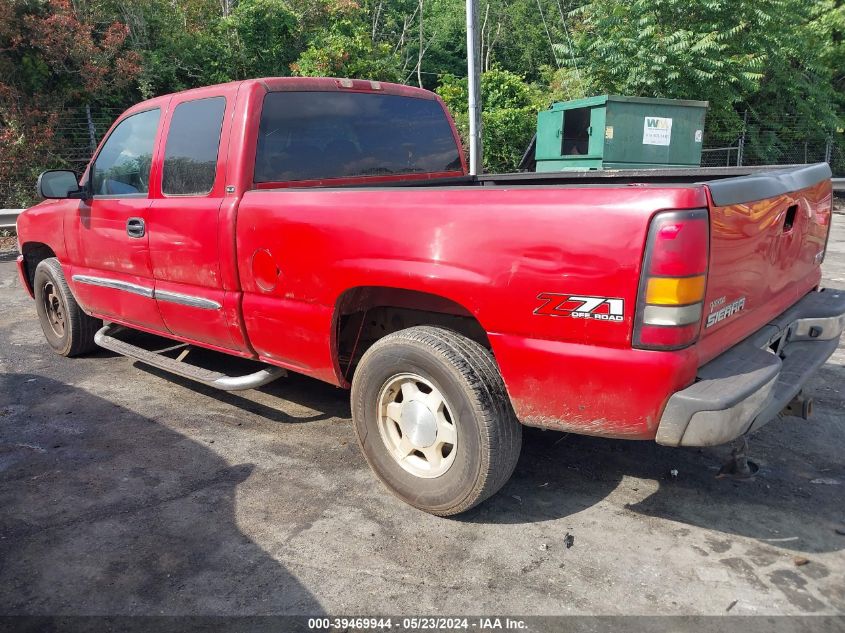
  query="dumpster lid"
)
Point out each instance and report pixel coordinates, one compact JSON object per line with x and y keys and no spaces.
{"x":603,"y":99}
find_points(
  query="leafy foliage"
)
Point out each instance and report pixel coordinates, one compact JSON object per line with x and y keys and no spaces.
{"x":264,"y":36}
{"x":508,"y":115}
{"x":774,"y":68}
{"x":347,"y":50}
{"x":738,"y":54}
{"x":50,"y":59}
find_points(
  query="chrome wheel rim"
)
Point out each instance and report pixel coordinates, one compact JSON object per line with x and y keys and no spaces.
{"x":53,"y":309}
{"x":417,"y":426}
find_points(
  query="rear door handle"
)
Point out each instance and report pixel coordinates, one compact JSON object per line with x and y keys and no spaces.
{"x":135,"y":227}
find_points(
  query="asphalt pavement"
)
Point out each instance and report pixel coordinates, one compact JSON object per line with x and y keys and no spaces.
{"x":124,"y":490}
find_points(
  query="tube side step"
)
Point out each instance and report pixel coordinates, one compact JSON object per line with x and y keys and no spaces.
{"x":105,"y":337}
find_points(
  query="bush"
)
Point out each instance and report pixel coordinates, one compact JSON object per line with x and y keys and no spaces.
{"x":346,"y":50}
{"x":508,"y":117}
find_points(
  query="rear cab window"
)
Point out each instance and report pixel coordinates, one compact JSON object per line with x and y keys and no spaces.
{"x":327,"y":135}
{"x":193,"y":142}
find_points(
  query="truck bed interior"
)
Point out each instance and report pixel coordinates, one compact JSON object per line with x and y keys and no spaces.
{"x":727,"y":185}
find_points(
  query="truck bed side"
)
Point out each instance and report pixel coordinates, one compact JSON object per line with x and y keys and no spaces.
{"x":500,"y":255}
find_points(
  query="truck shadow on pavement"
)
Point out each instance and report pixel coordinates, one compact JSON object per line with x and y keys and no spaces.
{"x":327,"y":401}
{"x":795,"y":502}
{"x":560,"y":474}
{"x":634,"y":478}
{"x":320,"y":399}
{"x":107,"y":512}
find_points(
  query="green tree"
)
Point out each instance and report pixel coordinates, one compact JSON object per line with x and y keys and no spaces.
{"x":509,"y":115}
{"x":346,"y":49}
{"x":764,"y":55}
{"x":780,"y":61}
{"x":181,"y":44}
{"x":265,"y":38}
{"x":51,"y":58}
{"x":514,"y":35}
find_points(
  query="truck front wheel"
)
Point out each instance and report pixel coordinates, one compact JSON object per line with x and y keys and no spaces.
{"x":68,"y":330}
{"x":433,"y":419}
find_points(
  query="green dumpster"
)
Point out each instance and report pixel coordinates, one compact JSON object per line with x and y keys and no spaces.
{"x":612,"y":132}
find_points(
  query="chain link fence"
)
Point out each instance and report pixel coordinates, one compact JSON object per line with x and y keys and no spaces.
{"x":76,"y":136}
{"x":775,"y":142}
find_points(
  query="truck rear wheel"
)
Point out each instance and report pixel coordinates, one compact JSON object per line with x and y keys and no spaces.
{"x":433,"y":419}
{"x":68,"y":330}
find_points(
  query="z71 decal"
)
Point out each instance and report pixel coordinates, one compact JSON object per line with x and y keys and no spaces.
{"x":580,"y":307}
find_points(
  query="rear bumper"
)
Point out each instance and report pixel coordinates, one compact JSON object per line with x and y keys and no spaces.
{"x":747,"y":386}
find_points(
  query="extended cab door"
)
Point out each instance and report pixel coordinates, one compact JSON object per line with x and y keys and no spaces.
{"x":191,"y":247}
{"x":106,"y":236}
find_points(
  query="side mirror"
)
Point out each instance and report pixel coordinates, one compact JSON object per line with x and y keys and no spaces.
{"x":60,"y":184}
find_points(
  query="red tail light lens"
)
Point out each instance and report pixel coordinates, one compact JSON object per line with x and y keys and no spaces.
{"x":664,"y":337}
{"x":673,"y":280}
{"x":679,"y":245}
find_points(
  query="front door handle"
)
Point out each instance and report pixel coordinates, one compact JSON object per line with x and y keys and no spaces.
{"x":135,"y":227}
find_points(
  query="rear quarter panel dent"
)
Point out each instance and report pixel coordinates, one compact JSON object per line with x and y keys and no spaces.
{"x":490,"y":250}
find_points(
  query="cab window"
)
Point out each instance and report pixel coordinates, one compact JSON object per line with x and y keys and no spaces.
{"x":122,"y":167}
{"x":190,"y":155}
{"x":321,"y":135}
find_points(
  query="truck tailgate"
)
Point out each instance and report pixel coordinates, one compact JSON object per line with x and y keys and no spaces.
{"x":768,"y":234}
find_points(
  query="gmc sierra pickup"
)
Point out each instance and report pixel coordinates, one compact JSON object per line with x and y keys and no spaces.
{"x":329,"y":227}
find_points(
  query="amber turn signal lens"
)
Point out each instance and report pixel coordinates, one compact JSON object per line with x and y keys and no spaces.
{"x":675,"y":291}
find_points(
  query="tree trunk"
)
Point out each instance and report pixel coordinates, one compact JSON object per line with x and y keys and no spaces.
{"x":422,"y":46}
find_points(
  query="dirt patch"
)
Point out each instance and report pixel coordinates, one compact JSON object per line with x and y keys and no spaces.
{"x":8,"y":243}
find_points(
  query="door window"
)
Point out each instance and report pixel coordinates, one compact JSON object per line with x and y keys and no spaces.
{"x":190,"y":156}
{"x":122,"y":167}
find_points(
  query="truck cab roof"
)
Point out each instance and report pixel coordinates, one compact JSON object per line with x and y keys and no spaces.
{"x":299,"y":84}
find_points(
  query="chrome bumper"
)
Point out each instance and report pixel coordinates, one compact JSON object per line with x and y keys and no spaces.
{"x":747,"y":386}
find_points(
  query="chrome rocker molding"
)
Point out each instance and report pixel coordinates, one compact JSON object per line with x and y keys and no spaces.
{"x":105,"y":338}
{"x":186,"y":300}
{"x":135,"y":289}
{"x":163,"y":295}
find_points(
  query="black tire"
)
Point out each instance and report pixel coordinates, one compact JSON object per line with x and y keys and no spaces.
{"x":465,"y":373}
{"x":68,"y":330}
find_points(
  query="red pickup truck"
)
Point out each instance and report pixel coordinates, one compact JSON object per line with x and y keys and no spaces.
{"x":329,"y":227}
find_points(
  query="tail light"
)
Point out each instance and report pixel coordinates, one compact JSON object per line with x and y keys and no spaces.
{"x":673,"y":281}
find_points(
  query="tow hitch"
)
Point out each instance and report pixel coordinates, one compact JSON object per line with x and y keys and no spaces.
{"x":801,"y":406}
{"x":738,"y":466}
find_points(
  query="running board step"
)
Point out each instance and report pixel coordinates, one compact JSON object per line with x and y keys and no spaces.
{"x":105,"y":338}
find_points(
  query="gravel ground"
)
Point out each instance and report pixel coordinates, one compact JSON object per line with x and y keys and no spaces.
{"x":124,"y":490}
{"x":7,"y":243}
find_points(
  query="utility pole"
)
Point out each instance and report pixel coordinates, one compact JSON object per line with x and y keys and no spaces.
{"x":474,"y":89}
